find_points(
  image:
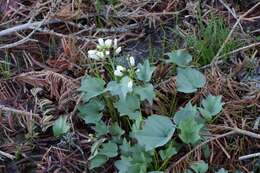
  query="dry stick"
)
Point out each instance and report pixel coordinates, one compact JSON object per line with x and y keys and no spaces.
{"x":239,"y":49}
{"x":231,"y":32}
{"x":249,"y":156}
{"x":25,"y":27}
{"x":233,"y":13}
{"x":7,"y":109}
{"x":9,"y":156}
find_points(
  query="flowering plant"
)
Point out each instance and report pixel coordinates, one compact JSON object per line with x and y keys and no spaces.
{"x":112,"y":108}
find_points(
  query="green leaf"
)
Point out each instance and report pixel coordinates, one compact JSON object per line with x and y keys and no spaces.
{"x":125,"y":148}
{"x":133,"y":159}
{"x":60,"y":126}
{"x":184,"y":113}
{"x":101,"y":128}
{"x":199,"y":167}
{"x":108,"y":149}
{"x":145,"y":71}
{"x":212,"y":105}
{"x":115,"y":130}
{"x":98,"y":161}
{"x":222,"y":170}
{"x":120,"y":89}
{"x":129,"y":107}
{"x":190,"y":130}
{"x":141,"y":156}
{"x":189,"y":80}
{"x":146,"y":92}
{"x":167,"y":153}
{"x":129,"y":165}
{"x":91,"y":111}
{"x":95,"y":146}
{"x":92,"y":87}
{"x":157,"y":131}
{"x":124,"y":165}
{"x":180,"y":57}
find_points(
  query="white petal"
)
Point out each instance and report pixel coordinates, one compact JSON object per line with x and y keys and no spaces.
{"x":132,"y":61}
{"x":115,"y":43}
{"x":130,"y":84}
{"x":120,"y":68}
{"x":93,"y":54}
{"x":107,"y":52}
{"x":118,"y":50}
{"x":101,"y":42}
{"x":108,"y":43}
{"x":118,"y":73}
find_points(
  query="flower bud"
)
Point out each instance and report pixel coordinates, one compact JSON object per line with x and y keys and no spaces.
{"x":101,"y":42}
{"x":118,"y":50}
{"x":132,"y":61}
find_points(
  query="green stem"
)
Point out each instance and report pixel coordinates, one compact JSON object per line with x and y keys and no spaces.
{"x":111,"y":108}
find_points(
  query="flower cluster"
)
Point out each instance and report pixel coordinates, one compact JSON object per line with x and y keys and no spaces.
{"x":120,"y":69}
{"x":104,"y":48}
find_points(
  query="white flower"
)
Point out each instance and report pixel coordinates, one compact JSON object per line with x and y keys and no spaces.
{"x":101,"y":42}
{"x":118,"y":50}
{"x":107,"y":52}
{"x":93,"y":54}
{"x":108,"y":43}
{"x":130,"y":84}
{"x":121,"y":68}
{"x":101,"y":55}
{"x":132,"y":61}
{"x":119,"y":71}
{"x":115,"y":43}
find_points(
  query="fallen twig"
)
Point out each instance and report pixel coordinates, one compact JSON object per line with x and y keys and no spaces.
{"x":249,"y":156}
{"x":7,"y":155}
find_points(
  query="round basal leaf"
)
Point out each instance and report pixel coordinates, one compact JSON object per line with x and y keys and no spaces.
{"x":145,"y":71}
{"x":123,"y":165}
{"x":180,"y":57}
{"x":185,"y":112}
{"x":120,"y":89}
{"x":60,"y":126}
{"x":91,"y":87}
{"x":189,"y":80}
{"x":98,"y":161}
{"x":190,"y":130}
{"x":157,"y":131}
{"x":91,"y":111}
{"x":129,"y":107}
{"x":146,"y":92}
{"x":199,"y":167}
{"x":108,"y":149}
